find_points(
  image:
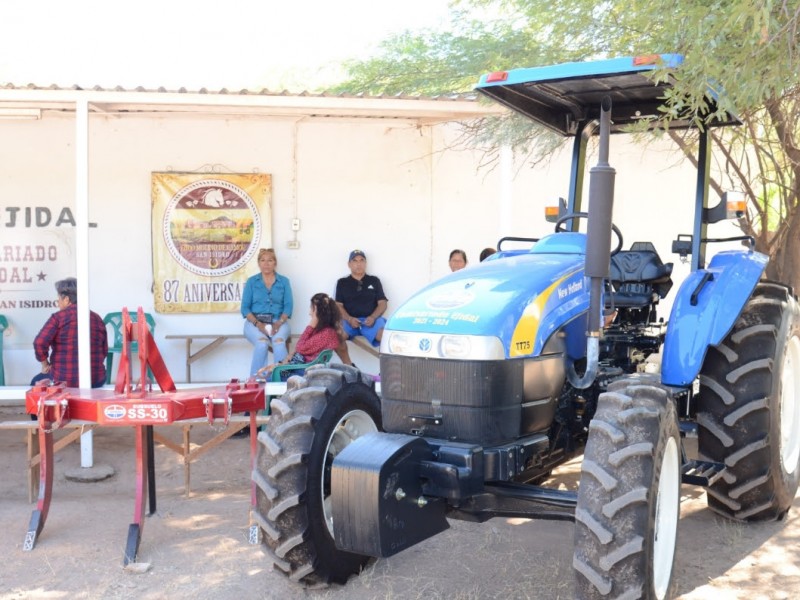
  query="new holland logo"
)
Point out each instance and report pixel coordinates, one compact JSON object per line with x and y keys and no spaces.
{"x":450,"y":299}
{"x":631,"y":262}
{"x":114,"y":411}
{"x":425,"y":344}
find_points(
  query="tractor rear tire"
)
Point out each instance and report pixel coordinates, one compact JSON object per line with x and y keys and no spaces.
{"x":319,"y":416}
{"x":626,"y":519}
{"x":748,"y":411}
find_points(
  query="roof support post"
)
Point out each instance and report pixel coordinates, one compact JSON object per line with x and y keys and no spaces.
{"x":701,"y":202}
{"x":575,"y":198}
{"x":82,"y":260}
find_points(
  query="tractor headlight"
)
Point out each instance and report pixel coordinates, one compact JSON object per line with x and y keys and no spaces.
{"x":438,"y":345}
{"x":399,"y":343}
{"x":455,"y":346}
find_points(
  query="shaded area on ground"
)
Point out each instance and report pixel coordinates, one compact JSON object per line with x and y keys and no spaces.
{"x":197,"y":547}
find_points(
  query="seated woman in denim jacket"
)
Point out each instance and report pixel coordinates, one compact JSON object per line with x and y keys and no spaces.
{"x":266,"y":308}
{"x":321,"y":334}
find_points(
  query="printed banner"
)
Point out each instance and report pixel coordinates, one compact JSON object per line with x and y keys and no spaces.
{"x":37,"y":248}
{"x":206,"y":228}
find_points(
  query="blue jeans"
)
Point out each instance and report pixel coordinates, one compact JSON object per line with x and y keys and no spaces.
{"x":42,"y":376}
{"x":261,"y":344}
{"x":367,"y":332}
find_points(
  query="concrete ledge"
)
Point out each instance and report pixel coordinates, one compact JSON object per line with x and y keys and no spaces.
{"x":13,"y":395}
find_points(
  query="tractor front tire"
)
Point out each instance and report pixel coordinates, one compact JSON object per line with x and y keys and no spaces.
{"x":316,"y":419}
{"x":626,"y":519}
{"x":748,"y":411}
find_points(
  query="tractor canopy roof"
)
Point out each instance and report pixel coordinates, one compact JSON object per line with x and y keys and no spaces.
{"x":561,"y":97}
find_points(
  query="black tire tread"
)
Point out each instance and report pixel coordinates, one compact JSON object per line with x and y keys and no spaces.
{"x":286,"y":439}
{"x":616,"y":481}
{"x":281,"y":474}
{"x":737,"y":404}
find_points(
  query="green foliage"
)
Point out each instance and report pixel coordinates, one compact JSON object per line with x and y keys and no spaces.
{"x":748,"y":48}
{"x":741,"y":56}
{"x":434,"y":63}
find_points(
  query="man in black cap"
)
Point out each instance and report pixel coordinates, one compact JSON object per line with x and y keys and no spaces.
{"x":361,"y":301}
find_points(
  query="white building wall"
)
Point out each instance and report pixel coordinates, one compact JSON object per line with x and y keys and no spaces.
{"x":399,"y":191}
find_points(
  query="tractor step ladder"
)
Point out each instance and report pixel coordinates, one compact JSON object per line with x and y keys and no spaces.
{"x":698,"y":472}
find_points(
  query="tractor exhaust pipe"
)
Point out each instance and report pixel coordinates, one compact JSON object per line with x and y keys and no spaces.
{"x":598,"y":248}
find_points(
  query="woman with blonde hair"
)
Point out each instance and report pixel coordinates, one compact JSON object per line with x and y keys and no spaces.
{"x":267,"y":307}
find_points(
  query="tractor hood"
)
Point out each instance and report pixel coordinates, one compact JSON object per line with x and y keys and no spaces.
{"x":502,"y":308}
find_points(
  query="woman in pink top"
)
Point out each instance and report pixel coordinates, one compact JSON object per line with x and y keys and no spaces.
{"x":321,"y":334}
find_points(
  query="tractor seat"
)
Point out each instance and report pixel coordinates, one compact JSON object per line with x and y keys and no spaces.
{"x":636,"y":274}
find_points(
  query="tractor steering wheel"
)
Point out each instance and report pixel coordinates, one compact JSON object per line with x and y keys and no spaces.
{"x":582,"y":215}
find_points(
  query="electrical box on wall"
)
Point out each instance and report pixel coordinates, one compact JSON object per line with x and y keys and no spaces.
{"x":295,"y":224}
{"x":293,"y":245}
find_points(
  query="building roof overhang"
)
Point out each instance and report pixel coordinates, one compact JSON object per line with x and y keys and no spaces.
{"x":30,"y":101}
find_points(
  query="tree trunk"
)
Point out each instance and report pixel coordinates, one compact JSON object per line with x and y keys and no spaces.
{"x":784,"y":260}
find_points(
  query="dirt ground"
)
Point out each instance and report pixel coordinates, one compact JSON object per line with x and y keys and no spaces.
{"x":197,"y":547}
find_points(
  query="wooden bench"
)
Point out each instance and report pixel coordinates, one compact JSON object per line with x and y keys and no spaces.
{"x":217,"y":339}
{"x":188,"y":451}
{"x":364,"y":344}
{"x":31,"y":428}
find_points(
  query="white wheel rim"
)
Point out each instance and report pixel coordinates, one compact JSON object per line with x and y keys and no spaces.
{"x":350,"y":427}
{"x":790,"y":407}
{"x":666,"y":521}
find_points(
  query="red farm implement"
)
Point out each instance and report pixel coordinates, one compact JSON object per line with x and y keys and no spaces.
{"x":138,"y":406}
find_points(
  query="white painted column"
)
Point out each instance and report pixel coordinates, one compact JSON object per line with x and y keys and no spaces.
{"x":82,"y":261}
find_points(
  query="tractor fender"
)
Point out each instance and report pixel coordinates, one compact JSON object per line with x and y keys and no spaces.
{"x":706,"y":307}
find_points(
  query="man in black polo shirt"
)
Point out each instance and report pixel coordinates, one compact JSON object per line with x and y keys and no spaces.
{"x":361,"y":301}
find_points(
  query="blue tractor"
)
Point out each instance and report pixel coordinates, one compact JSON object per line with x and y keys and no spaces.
{"x":496,"y":374}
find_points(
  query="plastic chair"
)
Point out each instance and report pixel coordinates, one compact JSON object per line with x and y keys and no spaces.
{"x":3,"y":327}
{"x":323,"y":357}
{"x":114,"y":319}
